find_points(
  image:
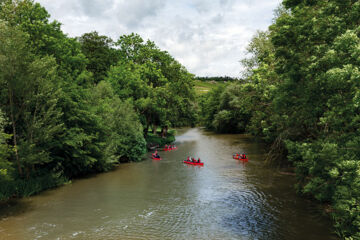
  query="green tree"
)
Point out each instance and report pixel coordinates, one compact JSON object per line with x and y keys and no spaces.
{"x":302,"y":96}
{"x":78,"y":149}
{"x":259,"y":50}
{"x":160,"y":88}
{"x":209,"y":106}
{"x":5,"y":164}
{"x":133,"y":48}
{"x":316,"y":56}
{"x":123,"y":132}
{"x":45,"y":38}
{"x":29,"y":97}
{"x":99,"y":51}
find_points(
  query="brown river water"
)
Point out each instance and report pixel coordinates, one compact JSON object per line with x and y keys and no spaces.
{"x":167,"y":199}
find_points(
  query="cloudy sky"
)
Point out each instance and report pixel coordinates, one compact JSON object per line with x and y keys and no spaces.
{"x":208,"y":37}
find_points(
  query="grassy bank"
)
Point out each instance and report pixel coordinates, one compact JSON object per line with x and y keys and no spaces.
{"x":202,"y":87}
{"x":28,"y":187}
{"x":156,"y":139}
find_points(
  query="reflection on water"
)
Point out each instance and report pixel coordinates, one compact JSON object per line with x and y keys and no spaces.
{"x":225,"y":199}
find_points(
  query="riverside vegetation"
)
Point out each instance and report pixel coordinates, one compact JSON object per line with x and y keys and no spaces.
{"x":301,"y":94}
{"x":73,"y":106}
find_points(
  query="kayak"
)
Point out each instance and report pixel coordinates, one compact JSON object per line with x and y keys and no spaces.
{"x":169,"y":149}
{"x":155,"y":158}
{"x":194,"y":163}
{"x":239,"y":158}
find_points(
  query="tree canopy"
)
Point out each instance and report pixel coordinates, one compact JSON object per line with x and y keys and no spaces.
{"x":301,"y":95}
{"x":73,"y":106}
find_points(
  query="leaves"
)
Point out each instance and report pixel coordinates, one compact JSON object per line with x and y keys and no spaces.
{"x":159,"y":87}
{"x":301,"y":95}
{"x":63,"y":119}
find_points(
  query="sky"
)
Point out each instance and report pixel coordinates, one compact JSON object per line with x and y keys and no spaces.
{"x":208,"y":37}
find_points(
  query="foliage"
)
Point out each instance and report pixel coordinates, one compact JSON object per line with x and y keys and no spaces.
{"x":59,"y":119}
{"x":259,"y":50}
{"x":302,"y":97}
{"x":31,"y":186}
{"x":5,"y":165}
{"x":156,"y":139}
{"x":45,"y":38}
{"x":29,"y":98}
{"x":209,"y":106}
{"x":100,"y":53}
{"x":123,"y":139}
{"x":234,"y":113}
{"x":159,"y":87}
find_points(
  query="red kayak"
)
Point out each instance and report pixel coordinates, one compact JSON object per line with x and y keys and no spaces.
{"x":239,"y":158}
{"x":169,"y":149}
{"x":194,"y":163}
{"x":155,"y":158}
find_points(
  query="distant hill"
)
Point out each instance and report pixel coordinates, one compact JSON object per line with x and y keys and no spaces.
{"x":202,"y":87}
{"x":217,"y":79}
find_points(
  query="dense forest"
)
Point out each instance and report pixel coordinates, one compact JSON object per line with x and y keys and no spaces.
{"x":74,"y":106}
{"x":302,"y":96}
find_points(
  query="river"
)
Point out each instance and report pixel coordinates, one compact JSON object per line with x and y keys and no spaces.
{"x":167,"y":199}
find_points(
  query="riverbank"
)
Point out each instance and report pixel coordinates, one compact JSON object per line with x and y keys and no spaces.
{"x":156,"y":140}
{"x":21,"y":188}
{"x":33,"y":185}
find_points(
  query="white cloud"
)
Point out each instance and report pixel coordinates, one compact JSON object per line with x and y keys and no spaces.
{"x":208,"y":37}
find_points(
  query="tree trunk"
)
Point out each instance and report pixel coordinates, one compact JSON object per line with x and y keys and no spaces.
{"x":164,"y":131}
{"x":146,"y":130}
{"x":154,"y":129}
{"x":14,"y":131}
{"x":27,"y":173}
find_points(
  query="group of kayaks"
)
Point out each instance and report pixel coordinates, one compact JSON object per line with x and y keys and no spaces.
{"x":190,"y":161}
{"x":193,"y":161}
{"x":156,"y":156}
{"x":169,"y":148}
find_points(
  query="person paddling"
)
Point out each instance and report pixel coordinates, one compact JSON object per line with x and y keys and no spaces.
{"x":156,"y":155}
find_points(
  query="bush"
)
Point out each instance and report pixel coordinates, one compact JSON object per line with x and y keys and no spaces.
{"x":155,"y":139}
{"x":29,"y":187}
